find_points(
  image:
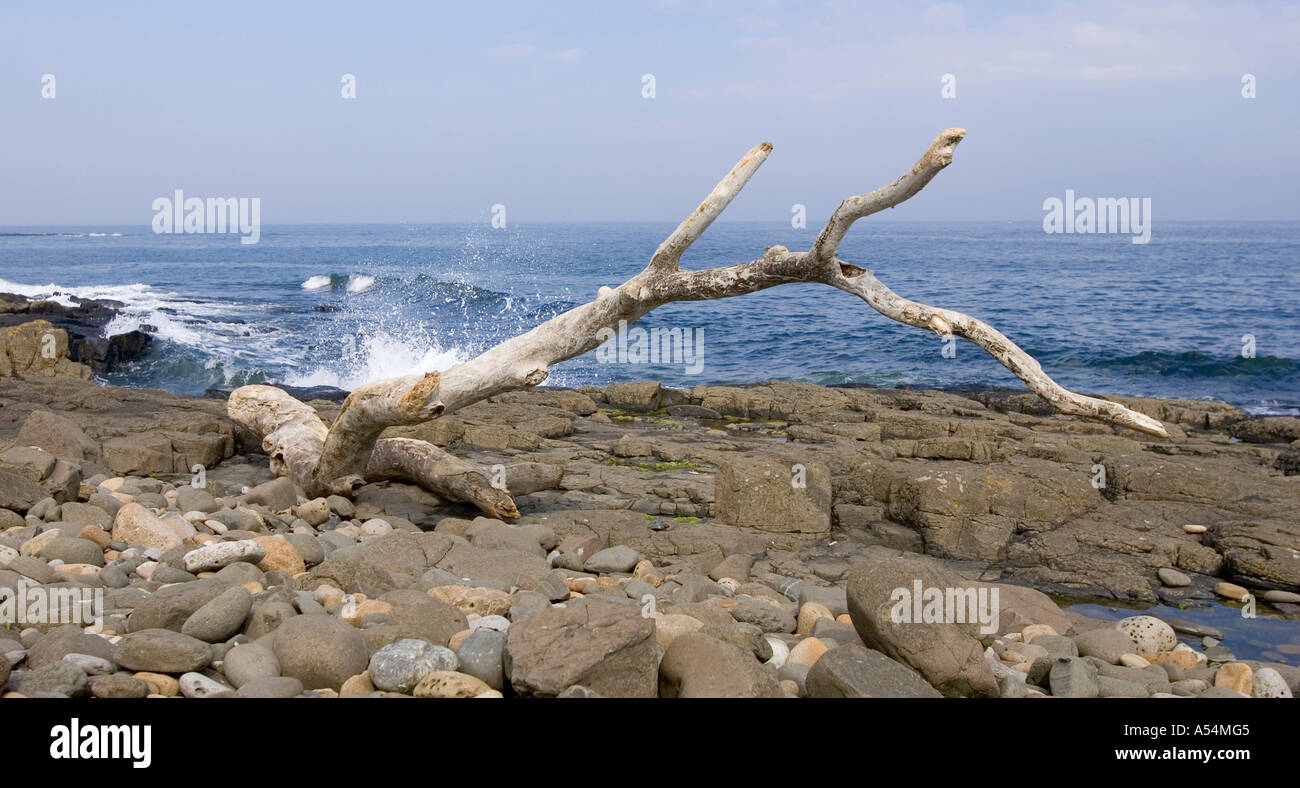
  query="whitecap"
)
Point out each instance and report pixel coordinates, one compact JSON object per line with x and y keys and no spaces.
{"x":358,"y":283}
{"x":316,"y":283}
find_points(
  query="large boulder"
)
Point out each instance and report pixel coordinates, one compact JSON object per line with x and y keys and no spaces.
{"x":968,"y":511}
{"x":607,"y":648}
{"x":642,"y":395}
{"x":59,"y":436}
{"x":171,"y":606}
{"x":375,"y":567}
{"x":38,"y":350}
{"x":59,"y":642}
{"x":139,"y":455}
{"x":29,"y":462}
{"x":415,"y":615}
{"x":771,"y":495}
{"x":277,"y":494}
{"x":1260,"y":552}
{"x":492,"y":534}
{"x":139,"y":527}
{"x":162,"y":651}
{"x":696,"y":665}
{"x":495,"y":567}
{"x":853,"y":671}
{"x":320,"y":651}
{"x":943,"y":648}
{"x":18,"y":493}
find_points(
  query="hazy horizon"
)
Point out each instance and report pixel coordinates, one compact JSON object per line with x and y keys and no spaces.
{"x":722,"y":221}
{"x":541,"y":109}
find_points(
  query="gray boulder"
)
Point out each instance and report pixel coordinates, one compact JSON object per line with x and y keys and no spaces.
{"x":858,"y":672}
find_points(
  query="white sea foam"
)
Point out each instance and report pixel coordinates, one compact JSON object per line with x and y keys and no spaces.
{"x":360,"y":282}
{"x":169,"y":315}
{"x":1271,"y":408}
{"x":237,"y":338}
{"x":63,"y":295}
{"x":380,"y":356}
{"x":316,"y":283}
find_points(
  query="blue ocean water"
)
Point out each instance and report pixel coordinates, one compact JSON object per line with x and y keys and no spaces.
{"x":342,"y":304}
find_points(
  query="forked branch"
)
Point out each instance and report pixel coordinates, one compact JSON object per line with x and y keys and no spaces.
{"x":337,"y":459}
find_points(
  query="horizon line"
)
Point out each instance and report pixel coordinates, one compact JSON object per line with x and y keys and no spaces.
{"x":399,"y":223}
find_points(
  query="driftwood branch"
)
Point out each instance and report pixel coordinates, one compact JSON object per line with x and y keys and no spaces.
{"x":296,"y":439}
{"x":337,"y":459}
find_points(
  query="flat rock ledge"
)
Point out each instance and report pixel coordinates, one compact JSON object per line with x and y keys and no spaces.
{"x":772,"y":540}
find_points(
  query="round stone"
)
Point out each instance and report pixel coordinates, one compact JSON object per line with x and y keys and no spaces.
{"x":1268,"y":683}
{"x":197,"y":685}
{"x":780,"y":652}
{"x":807,"y":651}
{"x":280,"y":554}
{"x":221,"y":617}
{"x":1232,"y":591}
{"x":1149,"y":633}
{"x":319,"y":651}
{"x":314,"y":512}
{"x":249,"y":662}
{"x":158,"y":684}
{"x":275,"y":687}
{"x":162,"y":651}
{"x":118,"y":685}
{"x":809,"y":613}
{"x":450,"y":684}
{"x":399,"y":667}
{"x":221,"y":554}
{"x":619,"y":558}
{"x":1236,"y":676}
{"x":56,"y":678}
{"x":1173,"y":578}
{"x":669,"y":626}
{"x":480,"y":655}
{"x":90,"y":664}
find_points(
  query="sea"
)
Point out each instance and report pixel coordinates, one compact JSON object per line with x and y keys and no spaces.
{"x":1205,"y":310}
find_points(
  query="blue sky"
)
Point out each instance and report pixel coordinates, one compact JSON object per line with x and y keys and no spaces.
{"x":539,"y":106}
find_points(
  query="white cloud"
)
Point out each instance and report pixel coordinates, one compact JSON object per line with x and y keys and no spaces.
{"x":848,"y":48}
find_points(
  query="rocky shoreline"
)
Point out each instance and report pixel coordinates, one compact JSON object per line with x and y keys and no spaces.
{"x":85,"y":325}
{"x":719,"y":541}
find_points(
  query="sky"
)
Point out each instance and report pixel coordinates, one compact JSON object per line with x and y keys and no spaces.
{"x":541,"y":107}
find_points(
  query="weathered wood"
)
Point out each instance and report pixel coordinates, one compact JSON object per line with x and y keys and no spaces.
{"x":295,"y":439}
{"x":337,"y":459}
{"x":434,"y":469}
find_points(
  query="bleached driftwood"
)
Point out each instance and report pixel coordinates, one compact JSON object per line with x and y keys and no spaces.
{"x":338,"y":459}
{"x":295,"y":438}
